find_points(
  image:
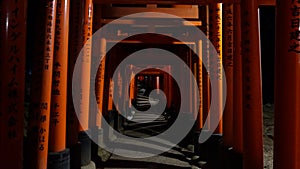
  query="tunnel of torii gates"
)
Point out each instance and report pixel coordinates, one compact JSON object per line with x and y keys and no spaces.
{"x":49,"y":34}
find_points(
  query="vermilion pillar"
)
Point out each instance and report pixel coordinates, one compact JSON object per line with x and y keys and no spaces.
{"x":200,"y":84}
{"x":206,"y":80}
{"x":252,"y":96}
{"x":228,"y":68}
{"x":287,"y":86}
{"x":57,"y":139}
{"x":100,"y":82}
{"x":237,"y":83}
{"x":75,"y":45}
{"x":12,"y":83}
{"x":86,"y":66}
{"x":132,"y":86}
{"x":35,"y":53}
{"x":110,"y":94}
{"x":169,"y":86}
{"x":57,"y":135}
{"x":45,"y":100}
{"x":215,"y":71}
{"x":38,"y":130}
{"x":84,"y":114}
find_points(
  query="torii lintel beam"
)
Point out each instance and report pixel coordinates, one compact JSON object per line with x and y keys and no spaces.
{"x":174,"y":2}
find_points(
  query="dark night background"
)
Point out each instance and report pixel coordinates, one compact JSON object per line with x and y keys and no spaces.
{"x":267,"y":27}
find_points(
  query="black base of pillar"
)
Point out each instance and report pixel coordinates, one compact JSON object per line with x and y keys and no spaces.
{"x":75,"y":152}
{"x":211,"y":152}
{"x":59,"y":160}
{"x":85,"y":143}
{"x":232,"y":159}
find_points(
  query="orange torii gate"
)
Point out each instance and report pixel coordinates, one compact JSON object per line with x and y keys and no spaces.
{"x":245,"y":121}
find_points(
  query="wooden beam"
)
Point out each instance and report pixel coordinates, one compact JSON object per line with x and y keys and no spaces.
{"x":134,"y":22}
{"x":117,"y":12}
{"x":169,"y":2}
{"x":151,"y":39}
{"x":181,"y":2}
{"x":267,"y":2}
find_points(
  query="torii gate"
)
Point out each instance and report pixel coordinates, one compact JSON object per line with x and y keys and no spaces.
{"x":246,"y":66}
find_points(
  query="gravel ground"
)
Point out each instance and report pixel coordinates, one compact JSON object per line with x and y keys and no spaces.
{"x":163,"y":161}
{"x":268,"y":135}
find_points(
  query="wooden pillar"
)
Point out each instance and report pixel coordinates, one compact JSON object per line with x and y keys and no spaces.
{"x":58,"y":114}
{"x":86,"y":66}
{"x":215,"y":71}
{"x":132,"y":86}
{"x":191,"y":66}
{"x":169,"y":86}
{"x":110,"y":94}
{"x":237,"y":83}
{"x":38,"y":131}
{"x":84,"y":108}
{"x":287,"y":86}
{"x":12,"y":84}
{"x":206,"y":79}
{"x":57,"y":139}
{"x":35,"y":54}
{"x":200,"y":85}
{"x":47,"y":69}
{"x":75,"y":45}
{"x":228,"y":68}
{"x":252,"y":96}
{"x":100,"y":82}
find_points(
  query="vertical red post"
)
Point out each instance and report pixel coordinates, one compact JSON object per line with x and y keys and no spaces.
{"x":58,"y":114}
{"x":38,"y":131}
{"x":84,"y":114}
{"x":228,"y":68}
{"x":57,"y":139}
{"x":45,"y":100}
{"x":191,"y":92}
{"x":100,"y":72}
{"x":252,"y":96}
{"x":132,"y":86}
{"x":169,"y":86}
{"x":100,"y":82}
{"x":110,"y":94}
{"x":200,"y":84}
{"x":86,"y":66}
{"x":215,"y":31}
{"x":12,"y":85}
{"x":237,"y":83}
{"x":75,"y":45}
{"x":206,"y":80}
{"x":287,"y":86}
{"x":35,"y":51}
